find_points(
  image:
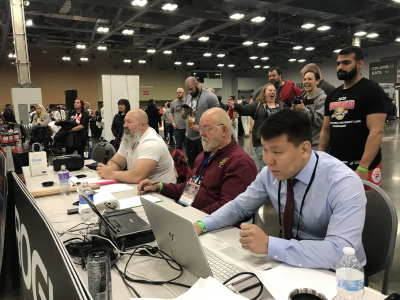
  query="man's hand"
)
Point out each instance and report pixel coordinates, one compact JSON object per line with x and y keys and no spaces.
{"x":231,"y":103}
{"x":175,"y":126}
{"x":363,"y":175}
{"x":195,"y":128}
{"x":149,"y":188}
{"x":104,"y":171}
{"x":300,"y":106}
{"x":254,"y":239}
{"x":198,"y":228}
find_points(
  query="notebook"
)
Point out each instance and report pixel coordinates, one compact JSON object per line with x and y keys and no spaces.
{"x":177,"y":236}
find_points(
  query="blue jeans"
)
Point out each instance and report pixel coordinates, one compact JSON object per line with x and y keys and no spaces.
{"x":179,"y":137}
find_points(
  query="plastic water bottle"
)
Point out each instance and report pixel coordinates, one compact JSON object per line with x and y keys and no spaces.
{"x":63,"y":175}
{"x":99,"y":275}
{"x":84,"y":209}
{"x":349,"y":276}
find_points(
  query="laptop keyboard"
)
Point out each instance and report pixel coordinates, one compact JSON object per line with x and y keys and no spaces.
{"x":220,"y":268}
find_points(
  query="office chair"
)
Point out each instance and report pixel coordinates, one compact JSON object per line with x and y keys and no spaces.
{"x":103,"y":152}
{"x":379,"y":234}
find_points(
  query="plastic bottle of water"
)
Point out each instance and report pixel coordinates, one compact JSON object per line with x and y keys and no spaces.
{"x":349,"y":276}
{"x":84,"y":209}
{"x":63,"y":175}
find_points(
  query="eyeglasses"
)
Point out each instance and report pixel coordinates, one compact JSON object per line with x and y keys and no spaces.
{"x":207,"y":129}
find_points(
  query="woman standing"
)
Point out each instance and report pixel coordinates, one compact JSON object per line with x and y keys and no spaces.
{"x":264,"y":106}
{"x":77,"y":136}
{"x":41,"y":133}
{"x":117,"y":126}
{"x":312,"y":104}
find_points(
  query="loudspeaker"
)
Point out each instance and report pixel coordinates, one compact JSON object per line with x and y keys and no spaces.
{"x":70,"y":96}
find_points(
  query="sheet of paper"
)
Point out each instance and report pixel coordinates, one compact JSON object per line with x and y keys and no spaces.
{"x":135,"y":201}
{"x":115,"y":188}
{"x":209,"y":289}
{"x":283,"y":279}
{"x":102,"y":197}
{"x":98,"y":180}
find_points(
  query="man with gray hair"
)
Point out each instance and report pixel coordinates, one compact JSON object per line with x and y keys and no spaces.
{"x":219,"y":174}
{"x":198,"y":100}
{"x":142,"y":151}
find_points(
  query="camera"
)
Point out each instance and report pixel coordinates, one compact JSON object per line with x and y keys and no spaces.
{"x":297,"y":100}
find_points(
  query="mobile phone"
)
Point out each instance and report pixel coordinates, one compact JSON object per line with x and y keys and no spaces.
{"x":185,"y":106}
{"x":80,"y":176}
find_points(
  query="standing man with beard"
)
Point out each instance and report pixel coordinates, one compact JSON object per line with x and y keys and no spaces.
{"x":219,"y":174}
{"x":355,"y":115}
{"x":142,"y":151}
{"x":178,"y":123}
{"x":198,"y":100}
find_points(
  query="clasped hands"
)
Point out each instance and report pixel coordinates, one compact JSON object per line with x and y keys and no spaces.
{"x":104,"y":171}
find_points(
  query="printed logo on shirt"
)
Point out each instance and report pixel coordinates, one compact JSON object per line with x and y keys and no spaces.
{"x":339,"y":113}
{"x":341,"y":108}
{"x":376,"y":175}
{"x":222,"y":162}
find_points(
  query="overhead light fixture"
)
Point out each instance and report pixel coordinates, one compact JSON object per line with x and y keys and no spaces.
{"x":309,"y":48}
{"x":292,"y":59}
{"x":397,"y":40}
{"x":84,"y":59}
{"x":103,"y":29}
{"x":257,"y":67}
{"x":140,"y":3}
{"x":266,"y":67}
{"x":167,"y":51}
{"x":184,"y":37}
{"x":220,"y":65}
{"x":142,"y":61}
{"x":372,"y":35}
{"x":236,"y":16}
{"x":66,"y":58}
{"x":324,"y":28}
{"x":307,"y":25}
{"x":169,"y":6}
{"x":253,"y":57}
{"x":360,"y":33}
{"x":258,"y":19}
{"x":204,"y":38}
{"x":189,"y":63}
{"x":178,"y":63}
{"x":29,"y":22}
{"x":248,"y":43}
{"x":231,"y":65}
{"x":298,"y":47}
{"x":127,"y":31}
{"x":151,"y":50}
{"x":301,"y":60}
{"x":101,"y":48}
{"x":127,"y":61}
{"x":27,"y":3}
{"x":262,"y":44}
{"x":207,"y":54}
{"x":264,"y":58}
{"x":12,"y":55}
{"x":81,"y":46}
{"x":337,"y":50}
{"x":397,"y":1}
{"x":220,"y":55}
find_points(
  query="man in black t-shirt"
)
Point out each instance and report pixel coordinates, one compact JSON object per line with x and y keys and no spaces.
{"x":355,"y":115}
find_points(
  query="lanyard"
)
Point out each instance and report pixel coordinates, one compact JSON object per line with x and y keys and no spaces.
{"x":302,"y":201}
{"x":202,"y":169}
{"x":198,"y":100}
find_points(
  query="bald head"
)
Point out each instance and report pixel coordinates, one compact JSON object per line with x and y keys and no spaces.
{"x":180,"y":93}
{"x":191,"y":80}
{"x":211,"y":90}
{"x":139,"y":115}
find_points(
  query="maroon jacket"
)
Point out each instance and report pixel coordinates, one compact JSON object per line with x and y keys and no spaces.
{"x":288,"y":91}
{"x":228,"y":174}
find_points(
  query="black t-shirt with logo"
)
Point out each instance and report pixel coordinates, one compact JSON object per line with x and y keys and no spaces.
{"x":348,"y":109}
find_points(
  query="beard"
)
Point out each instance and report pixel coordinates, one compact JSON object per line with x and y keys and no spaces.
{"x":130,"y":138}
{"x":343,"y":75}
{"x":194,"y":94}
{"x":208,"y":145}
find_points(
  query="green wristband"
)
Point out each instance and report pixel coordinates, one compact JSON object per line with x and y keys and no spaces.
{"x":203,"y":228}
{"x":161,"y":187}
{"x":362,"y":169}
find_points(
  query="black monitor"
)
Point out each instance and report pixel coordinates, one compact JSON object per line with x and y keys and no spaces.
{"x":3,"y":203}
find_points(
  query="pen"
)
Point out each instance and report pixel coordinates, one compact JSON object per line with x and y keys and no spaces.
{"x":149,"y":185}
{"x":250,"y":287}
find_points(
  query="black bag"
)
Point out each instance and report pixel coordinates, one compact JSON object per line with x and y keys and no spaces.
{"x":72,"y":162}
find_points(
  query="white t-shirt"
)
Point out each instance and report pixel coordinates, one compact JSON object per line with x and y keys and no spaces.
{"x":151,"y":146}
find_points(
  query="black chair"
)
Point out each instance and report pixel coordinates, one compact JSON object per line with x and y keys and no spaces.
{"x":103,"y":152}
{"x":379,"y":234}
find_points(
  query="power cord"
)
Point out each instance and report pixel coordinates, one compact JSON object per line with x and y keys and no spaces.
{"x":258,"y":284}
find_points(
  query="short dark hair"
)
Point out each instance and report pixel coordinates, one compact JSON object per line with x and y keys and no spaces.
{"x":296,"y":125}
{"x":233,"y":97}
{"x":126,"y":103}
{"x":219,"y":98}
{"x":168,"y":104}
{"x":358,"y":53}
{"x":317,"y":76}
{"x":278,"y":70}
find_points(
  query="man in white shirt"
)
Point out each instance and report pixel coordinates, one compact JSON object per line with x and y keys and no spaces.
{"x":142,"y":151}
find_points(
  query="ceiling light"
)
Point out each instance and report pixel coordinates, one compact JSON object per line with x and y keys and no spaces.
{"x":207,"y":54}
{"x":127,"y":31}
{"x":29,"y":22}
{"x":360,"y":33}
{"x":337,"y":50}
{"x":301,"y":60}
{"x":178,"y":63}
{"x":253,"y":57}
{"x":221,"y":55}
{"x":258,"y":19}
{"x":142,"y":61}
{"x":204,"y":38}
{"x":397,"y":40}
{"x":292,"y":59}
{"x":264,"y":58}
{"x":170,"y":6}
{"x":372,"y":35}
{"x":220,"y":65}
{"x":310,"y":48}
{"x":189,"y":63}
{"x":12,"y":55}
{"x":103,"y":29}
{"x":66,"y":58}
{"x":184,"y":37}
{"x":236,"y":16}
{"x":397,"y":1}
{"x":151,"y":51}
{"x":84,"y":59}
{"x":101,"y":48}
{"x":266,"y":67}
{"x":262,"y":44}
{"x":81,"y":46}
{"x":231,"y":65}
{"x":324,"y":28}
{"x":257,"y":67}
{"x":167,"y":51}
{"x":248,"y":43}
{"x":27,"y":3}
{"x":297,"y":47}
{"x":139,"y":3}
{"x":127,"y":61}
{"x":307,"y":25}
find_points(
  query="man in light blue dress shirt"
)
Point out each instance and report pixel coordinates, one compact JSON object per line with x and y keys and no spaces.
{"x":329,"y":199}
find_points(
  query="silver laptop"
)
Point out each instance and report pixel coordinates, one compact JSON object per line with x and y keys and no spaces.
{"x":177,"y":236}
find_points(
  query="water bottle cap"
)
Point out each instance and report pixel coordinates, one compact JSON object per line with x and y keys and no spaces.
{"x":85,"y":183}
{"x":63,"y":167}
{"x":349,"y":251}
